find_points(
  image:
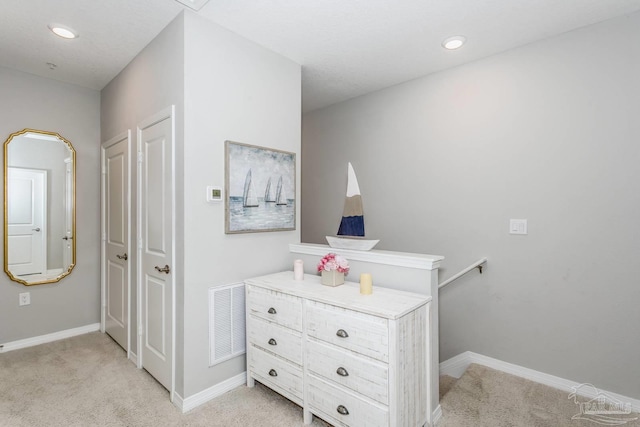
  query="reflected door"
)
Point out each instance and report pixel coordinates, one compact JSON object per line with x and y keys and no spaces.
{"x":156,"y":225}
{"x":26,"y":225}
{"x":116,"y":231}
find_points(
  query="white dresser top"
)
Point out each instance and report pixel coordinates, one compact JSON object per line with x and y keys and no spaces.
{"x":384,"y":302}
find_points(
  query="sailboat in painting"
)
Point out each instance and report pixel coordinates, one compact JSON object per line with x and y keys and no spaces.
{"x":249,"y":199}
{"x":281,"y":196}
{"x":351,"y":230}
{"x":268,"y":194}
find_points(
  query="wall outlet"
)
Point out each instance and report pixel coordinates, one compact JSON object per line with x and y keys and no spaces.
{"x":24,"y":298}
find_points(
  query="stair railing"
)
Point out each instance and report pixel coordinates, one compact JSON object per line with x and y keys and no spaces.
{"x":478,"y":264}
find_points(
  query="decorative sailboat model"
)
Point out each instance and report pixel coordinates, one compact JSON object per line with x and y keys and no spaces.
{"x":351,"y":231}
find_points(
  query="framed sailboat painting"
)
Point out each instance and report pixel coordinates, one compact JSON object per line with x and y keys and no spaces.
{"x":260,"y":188}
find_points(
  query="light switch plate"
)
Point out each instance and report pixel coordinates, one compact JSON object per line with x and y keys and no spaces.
{"x":518,"y":226}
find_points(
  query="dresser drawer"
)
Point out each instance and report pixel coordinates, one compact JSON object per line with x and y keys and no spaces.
{"x":283,"y":309}
{"x":343,"y":367}
{"x":336,"y":404}
{"x":284,"y":342}
{"x":278,"y":374}
{"x":362,"y":333}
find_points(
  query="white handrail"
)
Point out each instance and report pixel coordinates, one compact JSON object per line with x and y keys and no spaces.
{"x":477,"y":264}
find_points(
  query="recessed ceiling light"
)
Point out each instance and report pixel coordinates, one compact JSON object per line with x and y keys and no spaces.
{"x":454,"y":42}
{"x":63,"y":31}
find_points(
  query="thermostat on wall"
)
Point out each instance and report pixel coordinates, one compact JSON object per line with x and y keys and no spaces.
{"x":214,"y":194}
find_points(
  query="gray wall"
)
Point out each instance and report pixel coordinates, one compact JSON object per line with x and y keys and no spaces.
{"x":547,"y":132}
{"x":151,"y":82}
{"x":73,"y":112}
{"x":224,"y":87}
{"x":234,"y":90}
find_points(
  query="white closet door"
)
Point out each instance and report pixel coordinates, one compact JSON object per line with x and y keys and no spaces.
{"x":116,"y":195}
{"x":156,"y":254}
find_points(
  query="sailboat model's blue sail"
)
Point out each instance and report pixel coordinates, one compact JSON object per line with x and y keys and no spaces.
{"x":352,"y":223}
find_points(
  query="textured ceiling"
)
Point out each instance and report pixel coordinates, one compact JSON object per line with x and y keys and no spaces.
{"x":347,"y":48}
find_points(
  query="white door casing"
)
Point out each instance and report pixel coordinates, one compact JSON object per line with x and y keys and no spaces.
{"x":156,"y":280}
{"x":26,"y":222}
{"x":116,"y":240}
{"x":69,"y":196}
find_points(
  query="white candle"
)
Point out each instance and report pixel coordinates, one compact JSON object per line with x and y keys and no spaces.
{"x":366,"y":284}
{"x":298,"y":270}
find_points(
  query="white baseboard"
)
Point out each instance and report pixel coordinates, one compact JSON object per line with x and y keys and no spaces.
{"x":456,"y":366}
{"x":43,"y":339}
{"x":436,"y":416}
{"x":133,"y":357}
{"x":204,"y":396}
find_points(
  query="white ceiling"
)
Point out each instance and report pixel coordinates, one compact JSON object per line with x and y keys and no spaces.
{"x":346,"y":47}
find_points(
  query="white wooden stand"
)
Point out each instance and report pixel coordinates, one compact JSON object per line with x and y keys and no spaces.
{"x":395,"y":270}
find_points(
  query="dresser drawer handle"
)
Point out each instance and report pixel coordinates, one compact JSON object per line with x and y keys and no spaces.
{"x":342,"y":333}
{"x":342,"y":410}
{"x":272,"y":342}
{"x":272,"y":310}
{"x":342,"y":372}
{"x":273,"y":373}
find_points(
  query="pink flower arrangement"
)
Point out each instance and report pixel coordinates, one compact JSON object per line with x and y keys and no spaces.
{"x":333,"y":262}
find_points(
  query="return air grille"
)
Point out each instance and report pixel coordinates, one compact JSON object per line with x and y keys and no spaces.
{"x":226,"y":323}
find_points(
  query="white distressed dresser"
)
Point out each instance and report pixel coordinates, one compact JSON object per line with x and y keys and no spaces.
{"x":350,"y":359}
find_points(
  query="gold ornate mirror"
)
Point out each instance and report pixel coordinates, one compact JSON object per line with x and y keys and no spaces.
{"x":39,"y":207}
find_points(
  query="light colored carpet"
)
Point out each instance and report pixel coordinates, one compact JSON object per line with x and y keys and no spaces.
{"x":486,"y":397}
{"x":446,"y":382}
{"x":87,"y":381}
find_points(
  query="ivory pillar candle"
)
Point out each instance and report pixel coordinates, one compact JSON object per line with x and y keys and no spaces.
{"x":298,"y":270}
{"x":366,"y":284}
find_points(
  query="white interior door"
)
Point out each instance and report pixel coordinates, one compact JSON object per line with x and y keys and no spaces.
{"x":116,"y":252}
{"x":26,"y":221}
{"x":156,"y":247}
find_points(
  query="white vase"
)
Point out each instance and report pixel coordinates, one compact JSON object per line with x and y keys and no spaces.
{"x":332,"y":278}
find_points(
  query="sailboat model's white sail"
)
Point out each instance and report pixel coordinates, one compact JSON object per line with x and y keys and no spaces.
{"x":281,"y":197}
{"x":268,"y":194}
{"x":249,"y":199}
{"x":352,"y":224}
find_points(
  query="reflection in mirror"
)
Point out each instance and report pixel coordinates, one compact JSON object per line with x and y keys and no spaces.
{"x":39,"y":207}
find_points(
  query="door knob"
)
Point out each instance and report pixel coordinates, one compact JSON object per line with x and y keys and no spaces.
{"x":124,"y":257}
{"x":164,"y":269}
{"x":36,"y":229}
{"x":67,"y":238}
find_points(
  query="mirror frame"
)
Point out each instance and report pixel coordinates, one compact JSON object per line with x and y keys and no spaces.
{"x":73,"y":209}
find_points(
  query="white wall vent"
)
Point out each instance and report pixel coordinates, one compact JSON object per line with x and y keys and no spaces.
{"x":226,"y":323}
